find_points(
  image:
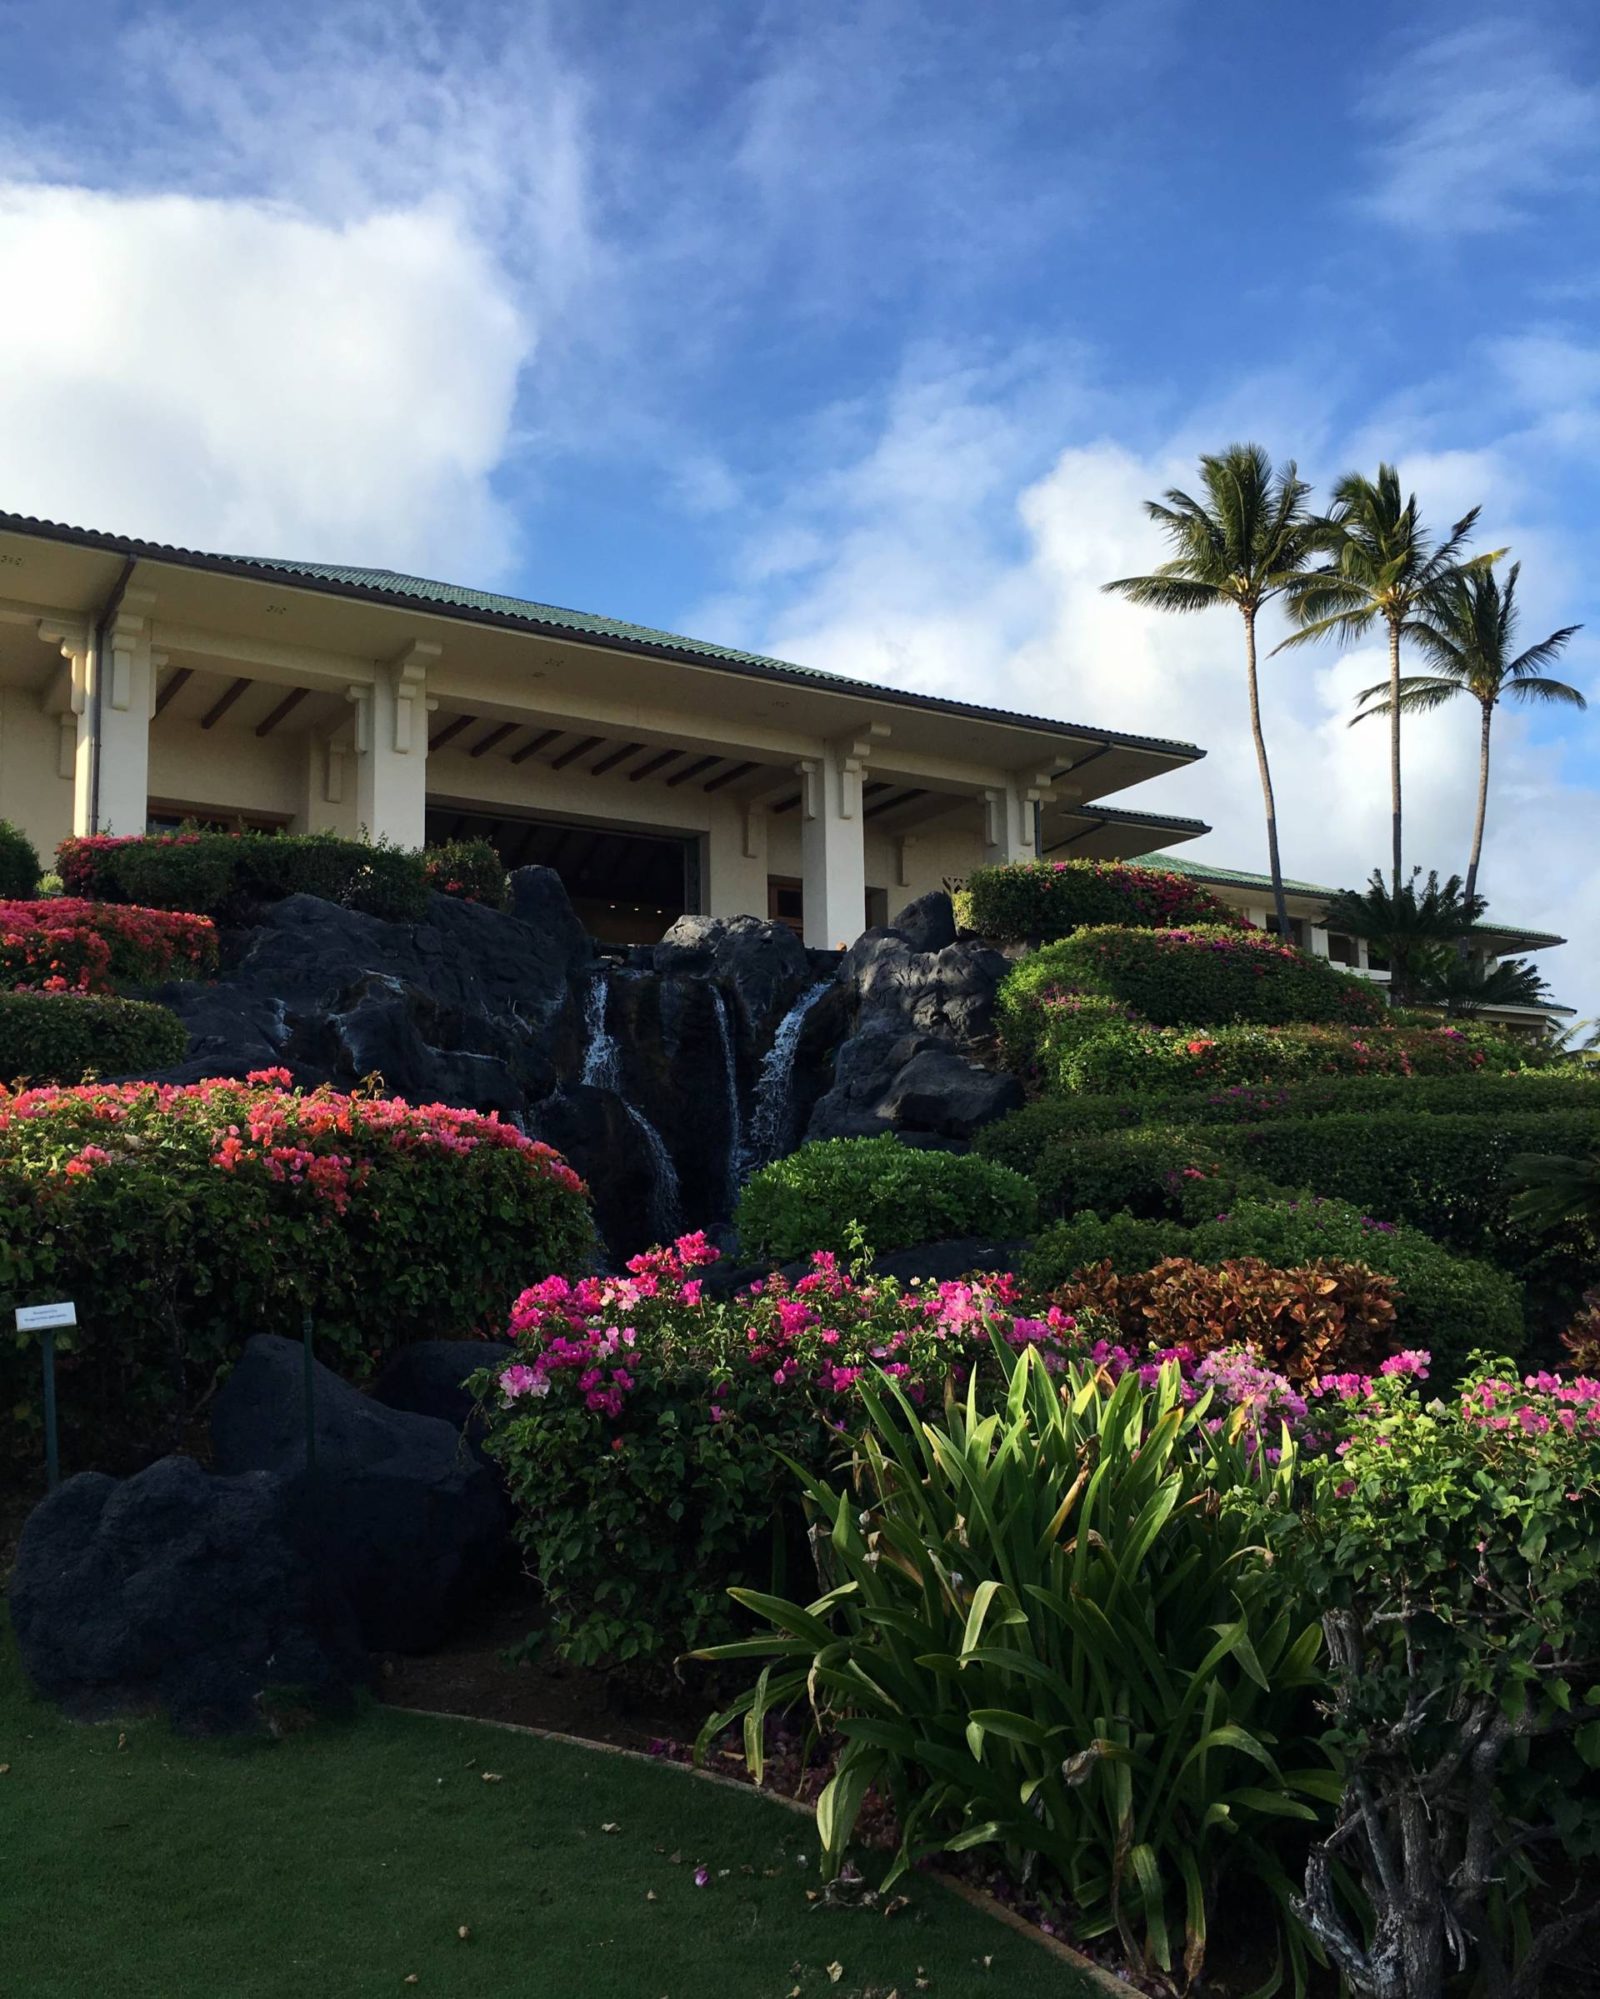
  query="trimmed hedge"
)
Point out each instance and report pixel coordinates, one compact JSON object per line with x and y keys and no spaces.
{"x":227,"y":875}
{"x":182,"y":1220}
{"x":19,"y":864}
{"x":65,"y":944}
{"x":1199,"y":976}
{"x":895,"y":1194}
{"x":64,"y":1037}
{"x":1447,"y":1303}
{"x":1043,"y":900}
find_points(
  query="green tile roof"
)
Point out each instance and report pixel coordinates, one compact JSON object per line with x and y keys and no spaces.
{"x":388,"y":586}
{"x":1186,"y":864}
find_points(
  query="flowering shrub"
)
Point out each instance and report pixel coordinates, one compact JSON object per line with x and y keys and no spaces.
{"x":19,"y":864}
{"x":1302,"y":1321}
{"x":65,"y":944}
{"x":1195,"y":976}
{"x":1043,"y":900}
{"x":183,"y":1219}
{"x":63,"y":1037}
{"x":895,"y":1194}
{"x":227,"y":875}
{"x":468,"y":869}
{"x":1454,"y":1547}
{"x":640,"y":1426}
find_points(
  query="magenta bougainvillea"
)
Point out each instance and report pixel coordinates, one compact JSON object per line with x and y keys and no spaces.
{"x":66,"y":944}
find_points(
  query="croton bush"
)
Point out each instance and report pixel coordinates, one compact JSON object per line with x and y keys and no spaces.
{"x":1199,"y":975}
{"x":64,"y":1037}
{"x":1042,"y":900}
{"x":69,"y":944}
{"x":228,"y":875}
{"x":183,"y":1220}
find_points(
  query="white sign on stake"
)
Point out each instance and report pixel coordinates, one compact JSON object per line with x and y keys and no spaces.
{"x":42,"y":1318}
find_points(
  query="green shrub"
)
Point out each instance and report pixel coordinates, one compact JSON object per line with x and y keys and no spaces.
{"x":896,"y":1194}
{"x":1154,"y":1172}
{"x":1128,"y":1243}
{"x":64,"y":1037}
{"x":1451,"y":1305}
{"x":640,"y":1424}
{"x":1199,"y":976}
{"x":181,"y":1221}
{"x":19,"y":864}
{"x":229,"y":875}
{"x":1106,"y":1682}
{"x":1042,"y":900}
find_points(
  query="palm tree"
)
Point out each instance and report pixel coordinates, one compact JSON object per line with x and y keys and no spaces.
{"x":1465,"y":986}
{"x":1383,"y":567}
{"x":1408,"y":929}
{"x":1248,"y":540}
{"x":1467,"y":633}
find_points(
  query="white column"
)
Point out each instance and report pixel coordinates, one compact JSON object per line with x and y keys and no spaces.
{"x":1008,"y":816}
{"x":833,"y":866}
{"x":391,"y":748}
{"x":112,"y":697}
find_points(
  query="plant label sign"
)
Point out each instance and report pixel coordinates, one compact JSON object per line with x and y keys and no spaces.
{"x":45,"y":1318}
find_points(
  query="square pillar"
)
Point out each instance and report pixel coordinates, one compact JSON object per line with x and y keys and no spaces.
{"x":111,"y":700}
{"x":391,"y":749}
{"x":1009,"y":816}
{"x":833,"y":864}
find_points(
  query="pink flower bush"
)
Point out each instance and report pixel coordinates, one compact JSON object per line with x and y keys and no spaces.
{"x":64,"y":944}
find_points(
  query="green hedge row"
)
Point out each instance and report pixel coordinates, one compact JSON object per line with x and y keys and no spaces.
{"x":1042,"y":900}
{"x":65,"y":1037}
{"x":228,"y":875}
{"x":1449,"y":1304}
{"x":897,"y":1194}
{"x":1206,"y":975}
{"x":19,"y":864}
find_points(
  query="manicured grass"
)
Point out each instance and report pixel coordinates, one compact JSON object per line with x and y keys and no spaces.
{"x":341,"y":1861}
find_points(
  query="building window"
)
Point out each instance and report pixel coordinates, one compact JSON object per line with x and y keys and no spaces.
{"x":1343,"y":950}
{"x":786,"y":901}
{"x":163,"y":816}
{"x":1299,"y":933}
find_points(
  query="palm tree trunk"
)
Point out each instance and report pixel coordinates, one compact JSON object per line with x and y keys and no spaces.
{"x":1483,"y":800}
{"x":1394,"y":745}
{"x":1279,"y":906}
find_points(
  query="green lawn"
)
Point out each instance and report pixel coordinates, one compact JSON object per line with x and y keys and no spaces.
{"x":343,"y":1861}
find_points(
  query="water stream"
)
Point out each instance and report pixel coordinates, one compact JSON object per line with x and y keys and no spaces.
{"x":771,"y":1131}
{"x":602,"y":1067}
{"x":730,"y":1086}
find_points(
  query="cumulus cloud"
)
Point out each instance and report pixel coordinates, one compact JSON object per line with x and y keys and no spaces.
{"x":1472,"y":129}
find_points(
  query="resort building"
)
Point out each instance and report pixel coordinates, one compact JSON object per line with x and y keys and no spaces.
{"x":1307,"y":904}
{"x":142,"y":685}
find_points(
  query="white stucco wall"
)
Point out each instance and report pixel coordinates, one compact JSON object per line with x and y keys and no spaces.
{"x":33,"y":793}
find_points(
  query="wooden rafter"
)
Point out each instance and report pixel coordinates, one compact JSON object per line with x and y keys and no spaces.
{"x":691,"y":770}
{"x":224,"y":702}
{"x":728,"y":776}
{"x":286,"y":706}
{"x":654,"y":764}
{"x":580,"y":748}
{"x":450,"y":731}
{"x":613,"y":758}
{"x":497,"y":734}
{"x":889,"y":804}
{"x":534,"y":745}
{"x":174,"y":684}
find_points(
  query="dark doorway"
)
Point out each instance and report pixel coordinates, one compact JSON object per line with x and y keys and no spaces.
{"x":627,"y":887}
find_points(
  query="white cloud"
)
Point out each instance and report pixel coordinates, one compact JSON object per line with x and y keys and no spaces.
{"x":1471,"y":130}
{"x":238,"y":376}
{"x":918,"y":586}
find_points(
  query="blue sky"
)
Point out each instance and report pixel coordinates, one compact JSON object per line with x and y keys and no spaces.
{"x":855,"y":333}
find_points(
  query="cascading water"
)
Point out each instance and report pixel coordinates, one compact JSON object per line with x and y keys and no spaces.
{"x":772,"y":1117}
{"x":730,"y":1084}
{"x":602,"y":1067}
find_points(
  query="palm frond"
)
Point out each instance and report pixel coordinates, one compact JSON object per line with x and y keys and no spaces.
{"x":1166,"y":593}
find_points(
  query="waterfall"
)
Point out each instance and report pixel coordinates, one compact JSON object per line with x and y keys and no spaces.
{"x":730,"y":1084}
{"x":772,"y":1119}
{"x":602,"y":1067}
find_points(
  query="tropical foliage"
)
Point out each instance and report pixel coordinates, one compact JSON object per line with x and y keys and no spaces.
{"x":19,"y":864}
{"x":1407,"y":928}
{"x":64,"y":1037}
{"x":1038,"y":901}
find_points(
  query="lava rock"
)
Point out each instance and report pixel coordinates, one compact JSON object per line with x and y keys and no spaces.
{"x":950,"y":992}
{"x":178,"y":1590}
{"x":425,"y":1379}
{"x":929,"y":923}
{"x":593,"y":1131}
{"x":404,"y":1517}
{"x":942,"y":1092}
{"x":764,"y":965}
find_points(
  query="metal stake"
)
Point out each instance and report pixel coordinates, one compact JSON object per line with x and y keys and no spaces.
{"x":52,"y":1449}
{"x":311,"y":1393}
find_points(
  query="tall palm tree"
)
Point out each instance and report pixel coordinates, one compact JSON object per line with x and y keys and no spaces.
{"x":1467,"y":634}
{"x":1248,"y":540}
{"x":1383,"y":567}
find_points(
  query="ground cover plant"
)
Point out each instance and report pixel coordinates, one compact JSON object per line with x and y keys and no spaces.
{"x":1194,"y":976}
{"x":68,"y":944}
{"x":353,"y":1859}
{"x":227,"y":875}
{"x":184,"y":1219}
{"x":1040,"y":900}
{"x":894,"y":1194}
{"x":63,"y":1037}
